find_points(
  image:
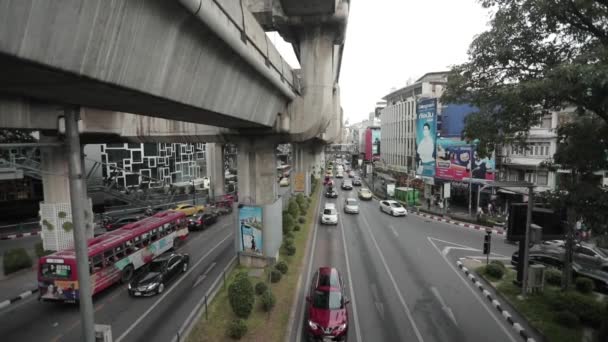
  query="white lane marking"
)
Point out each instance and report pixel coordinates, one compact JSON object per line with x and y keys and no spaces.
{"x":204,"y":275}
{"x":350,"y":285}
{"x":444,"y":306}
{"x":447,"y":250}
{"x":394,"y":231}
{"x":145,"y":314}
{"x":390,"y":275}
{"x":475,"y":294}
{"x":310,"y":257}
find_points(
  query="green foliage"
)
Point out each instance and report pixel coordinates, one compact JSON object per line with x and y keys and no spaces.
{"x":275,"y":275}
{"x":282,"y":267}
{"x":499,"y":264}
{"x":268,"y":300}
{"x":40,"y":252}
{"x":48,"y":224}
{"x":290,"y":249}
{"x":584,"y":285}
{"x":586,"y":308}
{"x":241,"y":295}
{"x":16,"y":259}
{"x":494,"y":271}
{"x":567,"y":318}
{"x":288,"y":223}
{"x":236,"y":329}
{"x":303,"y":209}
{"x":260,"y":287}
{"x":288,"y":235}
{"x":67,"y":226}
{"x":296,"y":228}
{"x":553,"y":277}
{"x":62,"y":214}
{"x":293,"y":208}
{"x":301,"y":219}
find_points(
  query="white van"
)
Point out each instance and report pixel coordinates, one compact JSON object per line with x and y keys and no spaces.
{"x":330,"y":214}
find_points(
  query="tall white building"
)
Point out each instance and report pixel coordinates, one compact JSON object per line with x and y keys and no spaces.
{"x":398,"y":120}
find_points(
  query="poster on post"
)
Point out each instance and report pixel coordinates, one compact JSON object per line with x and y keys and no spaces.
{"x":250,"y":229}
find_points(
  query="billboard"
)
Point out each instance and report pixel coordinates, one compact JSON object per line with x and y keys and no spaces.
{"x":453,"y":159}
{"x":250,"y":230}
{"x":484,"y":168}
{"x":372,"y":143}
{"x":426,"y":133}
{"x":299,"y":182}
{"x":376,"y":142}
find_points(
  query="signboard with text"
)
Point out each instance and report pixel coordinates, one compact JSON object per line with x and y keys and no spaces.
{"x":299,"y":182}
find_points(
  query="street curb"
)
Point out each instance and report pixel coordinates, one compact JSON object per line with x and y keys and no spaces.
{"x":461,"y":224}
{"x":19,"y":235}
{"x":24,"y":295}
{"x":199,"y":309}
{"x":505,"y":314}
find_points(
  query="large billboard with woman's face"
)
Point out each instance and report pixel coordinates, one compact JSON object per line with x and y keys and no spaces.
{"x":426,"y":132}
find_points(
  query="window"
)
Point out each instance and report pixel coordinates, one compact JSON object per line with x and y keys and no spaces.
{"x":56,"y":271}
{"x":327,"y":300}
{"x":120,"y":252}
{"x":108,"y":257}
{"x":542,"y":177}
{"x":585,"y":251}
{"x":96,"y":262}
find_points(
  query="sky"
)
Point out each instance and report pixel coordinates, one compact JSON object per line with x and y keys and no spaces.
{"x":391,"y":41}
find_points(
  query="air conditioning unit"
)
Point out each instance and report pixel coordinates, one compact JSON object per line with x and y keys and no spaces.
{"x":536,"y":278}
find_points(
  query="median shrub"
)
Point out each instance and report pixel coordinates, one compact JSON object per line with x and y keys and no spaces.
{"x":288,"y":235}
{"x":268,"y":300}
{"x":293,"y":208}
{"x":585,"y":307}
{"x":16,"y":259}
{"x":275,"y":276}
{"x":296,"y":228}
{"x":499,"y":264}
{"x":290,"y":249}
{"x":584,"y":285}
{"x":494,"y":271}
{"x":282,"y":267}
{"x":288,"y":223}
{"x":567,"y":319}
{"x":553,"y":277}
{"x":236,"y":329}
{"x":301,"y":219}
{"x":241,"y":295}
{"x":260,"y":287}
{"x":303,"y":209}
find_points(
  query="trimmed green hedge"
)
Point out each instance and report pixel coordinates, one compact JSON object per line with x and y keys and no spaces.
{"x":241,"y":295}
{"x":282,"y":267}
{"x":236,"y":329}
{"x":275,"y":276}
{"x":16,"y":259}
{"x":268,"y":300}
{"x":260,"y":287}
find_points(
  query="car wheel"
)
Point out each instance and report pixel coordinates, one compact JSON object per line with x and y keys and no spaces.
{"x":161,"y":288}
{"x":185,"y":267}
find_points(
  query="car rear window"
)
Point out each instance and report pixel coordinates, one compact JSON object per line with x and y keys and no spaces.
{"x":329,"y":212}
{"x":351,"y":201}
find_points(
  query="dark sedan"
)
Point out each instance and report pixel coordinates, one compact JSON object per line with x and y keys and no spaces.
{"x":357,"y":181}
{"x":158,"y":274}
{"x":203,"y":220}
{"x":331,"y":193}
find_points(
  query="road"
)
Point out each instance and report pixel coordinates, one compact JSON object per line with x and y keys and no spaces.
{"x":402,"y":280}
{"x":155,"y":318}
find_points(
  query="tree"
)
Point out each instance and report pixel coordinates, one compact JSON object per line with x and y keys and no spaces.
{"x":540,"y":56}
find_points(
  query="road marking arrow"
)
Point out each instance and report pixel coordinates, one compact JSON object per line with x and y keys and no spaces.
{"x":444,"y":307}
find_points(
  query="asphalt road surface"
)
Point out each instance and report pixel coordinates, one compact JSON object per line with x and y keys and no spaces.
{"x":155,"y":318}
{"x":401,"y":277}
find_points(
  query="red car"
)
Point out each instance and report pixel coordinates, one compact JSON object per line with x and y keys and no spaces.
{"x":327,"y":314}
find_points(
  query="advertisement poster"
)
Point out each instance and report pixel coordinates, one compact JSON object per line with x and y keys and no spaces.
{"x":376,"y":142}
{"x":299,"y":182}
{"x":484,"y":168}
{"x":426,"y":132}
{"x":453,"y":159}
{"x":390,"y":190}
{"x":250,"y":221}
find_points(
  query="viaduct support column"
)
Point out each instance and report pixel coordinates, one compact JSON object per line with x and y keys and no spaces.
{"x":214,"y":154}
{"x":56,"y":217}
{"x":303,"y":167}
{"x":259,"y":219}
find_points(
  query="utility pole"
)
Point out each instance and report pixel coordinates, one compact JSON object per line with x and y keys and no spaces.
{"x":76,"y":175}
{"x":526,"y":254}
{"x":193,"y":192}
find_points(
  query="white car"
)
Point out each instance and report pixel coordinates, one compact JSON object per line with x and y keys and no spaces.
{"x":351,"y":206}
{"x":393,"y":208}
{"x":330,"y":214}
{"x":284,"y":181}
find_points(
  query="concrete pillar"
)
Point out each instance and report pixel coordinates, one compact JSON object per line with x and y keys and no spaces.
{"x":55,"y":210}
{"x":214,"y":155}
{"x":303,"y":155}
{"x":258,"y":187}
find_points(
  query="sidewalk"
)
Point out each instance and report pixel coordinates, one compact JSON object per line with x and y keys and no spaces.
{"x":17,"y":284}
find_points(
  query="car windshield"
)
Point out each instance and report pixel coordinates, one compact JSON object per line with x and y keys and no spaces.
{"x":157,"y":266}
{"x":331,"y":300}
{"x":396,"y":205}
{"x":55,"y":271}
{"x":329,"y":212}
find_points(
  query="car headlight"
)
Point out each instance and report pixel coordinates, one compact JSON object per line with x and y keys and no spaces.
{"x":313,"y":325}
{"x":151,"y":286}
{"x":341,"y":327}
{"x":129,"y":286}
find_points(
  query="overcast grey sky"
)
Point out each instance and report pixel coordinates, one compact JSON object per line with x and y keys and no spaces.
{"x":390,"y":41}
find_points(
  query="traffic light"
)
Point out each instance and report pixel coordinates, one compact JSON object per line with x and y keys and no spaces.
{"x":486,"y":243}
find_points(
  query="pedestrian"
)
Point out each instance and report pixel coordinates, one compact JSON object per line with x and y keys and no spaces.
{"x":428,"y":203}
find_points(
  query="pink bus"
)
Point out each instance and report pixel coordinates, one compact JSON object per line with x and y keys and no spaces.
{"x":113,"y":256}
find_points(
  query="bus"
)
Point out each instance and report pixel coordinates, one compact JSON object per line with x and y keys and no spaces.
{"x":113,"y":256}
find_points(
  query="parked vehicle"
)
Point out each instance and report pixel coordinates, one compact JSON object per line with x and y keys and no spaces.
{"x":113,"y":257}
{"x":204,"y":220}
{"x":365,"y":194}
{"x":330,"y":214}
{"x":120,"y":222}
{"x":351,"y":206}
{"x":189,"y":209}
{"x":393,"y":208}
{"x":284,"y":181}
{"x":158,"y":274}
{"x":327,"y":316}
